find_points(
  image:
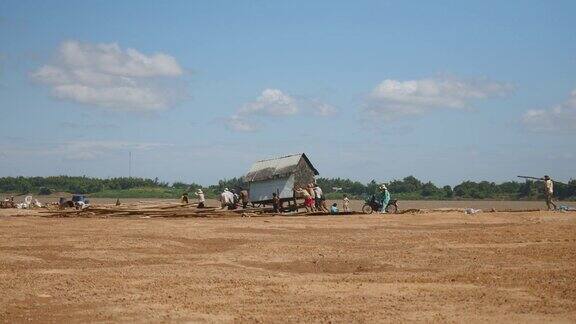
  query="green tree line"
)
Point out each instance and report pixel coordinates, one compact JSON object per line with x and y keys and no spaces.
{"x":412,"y":188}
{"x":81,"y":185}
{"x":407,"y":188}
{"x":124,"y":186}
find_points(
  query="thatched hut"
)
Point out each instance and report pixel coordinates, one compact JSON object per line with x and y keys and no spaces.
{"x":279,"y":175}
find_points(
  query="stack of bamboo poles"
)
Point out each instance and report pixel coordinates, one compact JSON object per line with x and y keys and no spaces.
{"x":148,"y":210}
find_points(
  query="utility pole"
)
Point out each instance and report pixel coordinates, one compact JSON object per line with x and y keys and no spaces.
{"x":129,"y":164}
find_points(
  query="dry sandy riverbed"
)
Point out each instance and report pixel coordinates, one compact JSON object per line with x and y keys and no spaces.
{"x":425,"y":267}
{"x":357,"y":204}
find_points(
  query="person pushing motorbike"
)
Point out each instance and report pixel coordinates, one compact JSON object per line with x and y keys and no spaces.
{"x":384,"y":198}
{"x":381,"y":202}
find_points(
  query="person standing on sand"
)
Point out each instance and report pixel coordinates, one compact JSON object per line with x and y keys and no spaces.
{"x":312,"y":195}
{"x":320,"y":199}
{"x":235,"y":199}
{"x":308,"y":200}
{"x":276,"y":202}
{"x":244,"y":198}
{"x":346,"y":203}
{"x":184,"y":198}
{"x":201,"y":199}
{"x":549,"y":192}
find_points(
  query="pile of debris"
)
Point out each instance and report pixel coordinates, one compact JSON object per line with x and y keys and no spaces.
{"x":8,"y":203}
{"x":28,"y":203}
{"x":77,"y":201}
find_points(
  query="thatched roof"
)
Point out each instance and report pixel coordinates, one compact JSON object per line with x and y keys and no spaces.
{"x":276,"y":168}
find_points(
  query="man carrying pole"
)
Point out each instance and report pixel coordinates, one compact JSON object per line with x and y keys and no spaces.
{"x":548,"y":189}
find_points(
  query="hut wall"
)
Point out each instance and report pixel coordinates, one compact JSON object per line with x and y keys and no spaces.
{"x":262,"y":190}
{"x":303,"y":175}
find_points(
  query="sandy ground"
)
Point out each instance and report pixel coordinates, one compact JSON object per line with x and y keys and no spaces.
{"x":438,"y":267}
{"x":357,"y":204}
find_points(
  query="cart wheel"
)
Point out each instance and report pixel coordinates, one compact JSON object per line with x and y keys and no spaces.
{"x":367,"y":209}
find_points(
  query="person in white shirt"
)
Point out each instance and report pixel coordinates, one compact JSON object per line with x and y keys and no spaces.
{"x":201,"y":199}
{"x":346,"y":203}
{"x":227,"y":198}
{"x":320,"y":199}
{"x":549,"y":192}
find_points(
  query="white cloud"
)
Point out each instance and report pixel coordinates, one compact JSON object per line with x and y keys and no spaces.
{"x":561,"y":118}
{"x":392,"y":99}
{"x":104,"y":75}
{"x":111,"y":59}
{"x":272,"y":102}
{"x":323,"y":109}
{"x":240,"y":124}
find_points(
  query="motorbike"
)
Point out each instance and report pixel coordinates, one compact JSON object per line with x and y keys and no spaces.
{"x":373,"y":205}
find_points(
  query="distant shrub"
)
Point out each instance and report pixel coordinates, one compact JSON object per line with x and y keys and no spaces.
{"x":44,"y":191}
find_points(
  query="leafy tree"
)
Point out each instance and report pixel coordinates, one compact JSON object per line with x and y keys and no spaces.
{"x":565,"y":191}
{"x":407,"y":185}
{"x":467,"y":189}
{"x":448,"y":193}
{"x":234,"y":183}
{"x":528,"y":190}
{"x":372,"y":188}
{"x":510,"y":188}
{"x":44,"y":191}
{"x":412,"y":184}
{"x":180,"y":185}
{"x":429,"y":189}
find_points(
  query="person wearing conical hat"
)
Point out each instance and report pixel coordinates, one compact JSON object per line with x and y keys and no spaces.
{"x":384,"y":197}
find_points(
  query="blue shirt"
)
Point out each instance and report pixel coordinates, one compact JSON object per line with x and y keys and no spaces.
{"x":333,"y":210}
{"x":384,"y":196}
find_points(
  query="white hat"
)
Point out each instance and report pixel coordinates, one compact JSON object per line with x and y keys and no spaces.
{"x":225,"y":189}
{"x":383,"y":187}
{"x":199,"y":190}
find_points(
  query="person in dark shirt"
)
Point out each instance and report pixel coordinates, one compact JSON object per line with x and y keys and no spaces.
{"x":276,"y":203}
{"x":244,"y":198}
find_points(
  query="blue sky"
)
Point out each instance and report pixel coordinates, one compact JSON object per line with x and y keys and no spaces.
{"x":198,"y":90}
